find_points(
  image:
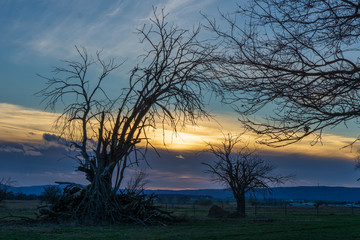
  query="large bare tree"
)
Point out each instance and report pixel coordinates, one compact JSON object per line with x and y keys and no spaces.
{"x":241,"y":170}
{"x":296,"y":57}
{"x":165,"y":88}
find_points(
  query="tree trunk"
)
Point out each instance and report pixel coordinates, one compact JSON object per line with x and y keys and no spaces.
{"x":102,"y":183}
{"x":240,"y":204}
{"x":98,"y":202}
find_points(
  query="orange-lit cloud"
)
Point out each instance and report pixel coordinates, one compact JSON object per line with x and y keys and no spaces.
{"x":332,"y":146}
{"x":19,"y":124}
{"x":195,"y":139}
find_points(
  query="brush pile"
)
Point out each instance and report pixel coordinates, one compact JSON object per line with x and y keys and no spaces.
{"x":83,"y":205}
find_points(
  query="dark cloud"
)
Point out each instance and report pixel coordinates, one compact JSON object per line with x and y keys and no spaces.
{"x":54,"y":138}
{"x":313,"y":171}
{"x":169,"y":171}
{"x":25,"y":149}
{"x":166,"y":171}
{"x":33,"y":164}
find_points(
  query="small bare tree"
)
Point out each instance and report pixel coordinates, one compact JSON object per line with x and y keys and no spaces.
{"x":5,"y":184}
{"x":165,"y":89}
{"x":51,"y":194}
{"x":243,"y":171}
{"x":137,"y":182}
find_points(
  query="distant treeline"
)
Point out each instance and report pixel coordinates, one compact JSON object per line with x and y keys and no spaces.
{"x":184,"y":199}
{"x":195,"y":199}
{"x":20,"y":196}
{"x":161,"y":198}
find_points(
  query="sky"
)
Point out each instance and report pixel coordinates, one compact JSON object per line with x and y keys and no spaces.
{"x":36,"y":35}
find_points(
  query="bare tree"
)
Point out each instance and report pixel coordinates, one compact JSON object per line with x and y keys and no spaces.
{"x":297,"y":57}
{"x":166,"y":88}
{"x":51,"y":194}
{"x":5,"y":184}
{"x":137,"y":182}
{"x":243,"y":171}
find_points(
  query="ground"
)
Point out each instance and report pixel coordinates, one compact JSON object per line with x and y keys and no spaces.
{"x":268,"y":223}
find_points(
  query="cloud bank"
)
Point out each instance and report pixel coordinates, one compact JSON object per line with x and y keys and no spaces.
{"x":29,"y":151}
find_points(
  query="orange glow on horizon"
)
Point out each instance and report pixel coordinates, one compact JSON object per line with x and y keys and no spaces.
{"x":23,"y":125}
{"x":172,"y":189}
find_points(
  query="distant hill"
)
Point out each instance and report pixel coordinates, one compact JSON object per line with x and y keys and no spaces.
{"x":37,"y":190}
{"x":317,"y":193}
{"x":215,"y":193}
{"x":306,"y":193}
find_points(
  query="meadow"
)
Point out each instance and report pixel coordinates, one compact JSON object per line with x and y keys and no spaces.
{"x":263,"y":222}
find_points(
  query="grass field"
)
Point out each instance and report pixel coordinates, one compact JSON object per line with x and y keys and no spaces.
{"x":297,"y":223}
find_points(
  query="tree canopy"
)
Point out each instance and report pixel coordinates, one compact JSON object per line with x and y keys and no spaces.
{"x":297,"y":57}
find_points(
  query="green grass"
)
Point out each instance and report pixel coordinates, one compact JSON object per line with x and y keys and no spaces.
{"x":277,"y":226}
{"x":19,"y":208}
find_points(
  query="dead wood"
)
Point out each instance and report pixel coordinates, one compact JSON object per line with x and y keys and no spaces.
{"x":86,"y":206}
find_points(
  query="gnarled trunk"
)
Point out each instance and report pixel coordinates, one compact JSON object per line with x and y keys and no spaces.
{"x":98,"y":202}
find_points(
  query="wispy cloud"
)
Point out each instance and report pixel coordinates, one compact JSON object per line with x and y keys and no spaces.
{"x":99,"y":25}
{"x":174,"y":5}
{"x":30,"y":150}
{"x":19,"y":124}
{"x":10,"y":149}
{"x":186,"y":13}
{"x":116,"y":9}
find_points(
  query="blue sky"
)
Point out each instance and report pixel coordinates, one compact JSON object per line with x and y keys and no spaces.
{"x":36,"y":35}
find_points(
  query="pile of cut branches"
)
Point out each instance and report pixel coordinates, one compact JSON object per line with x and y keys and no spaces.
{"x":83,"y":205}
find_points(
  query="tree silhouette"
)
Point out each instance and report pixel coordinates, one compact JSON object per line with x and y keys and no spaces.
{"x":51,"y":194}
{"x":5,"y":184}
{"x":110,"y":135}
{"x":298,"y":57}
{"x":242,"y":171}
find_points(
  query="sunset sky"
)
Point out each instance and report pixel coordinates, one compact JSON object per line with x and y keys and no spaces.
{"x":36,"y":35}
